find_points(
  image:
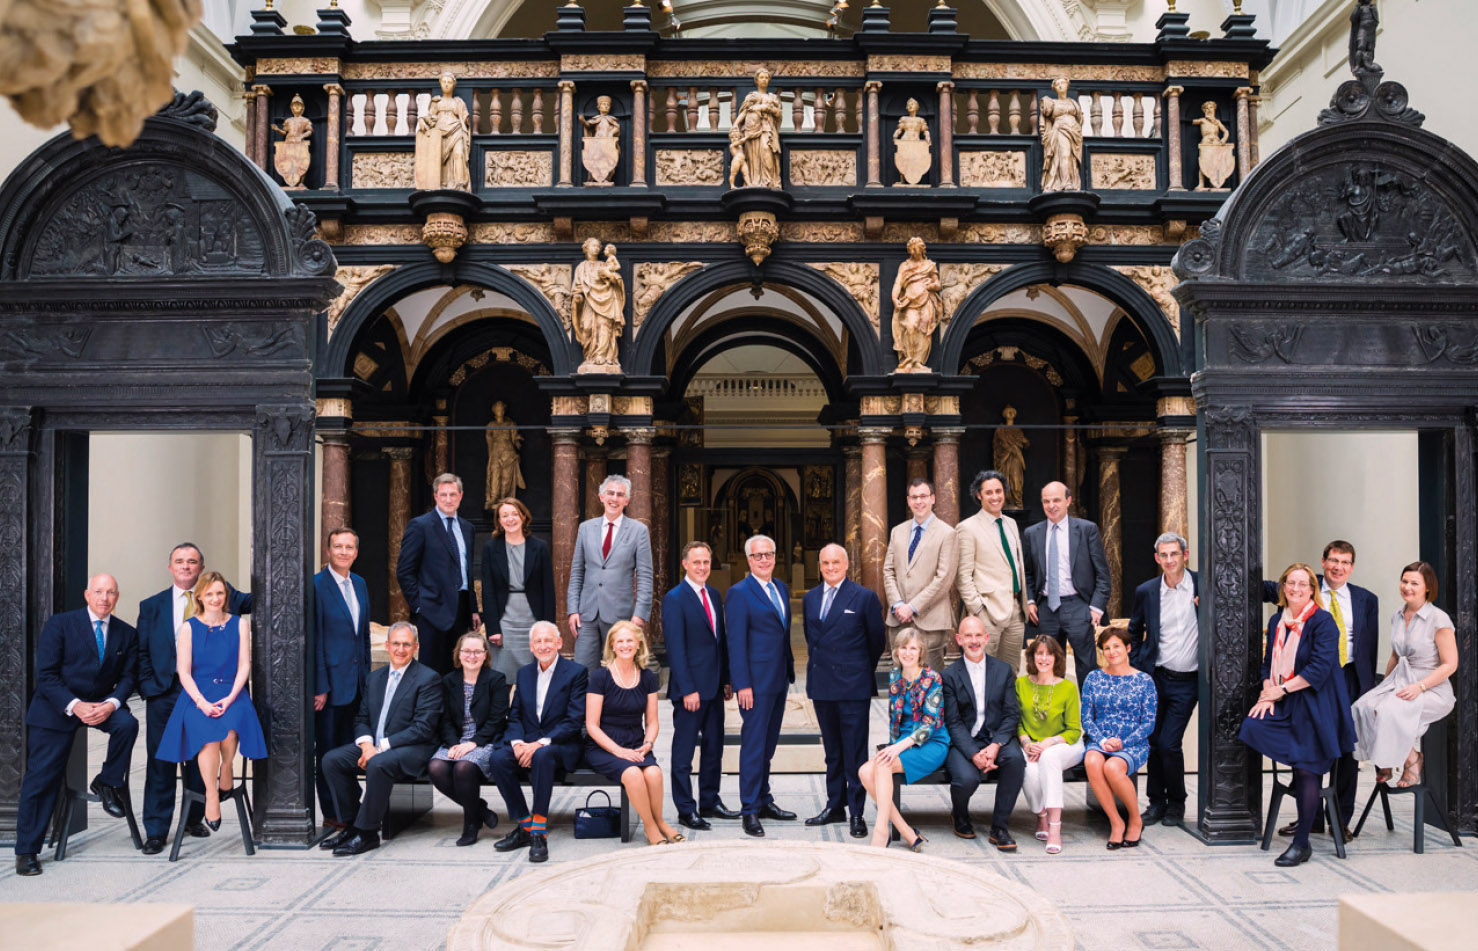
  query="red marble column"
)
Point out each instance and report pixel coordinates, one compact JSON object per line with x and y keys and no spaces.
{"x":638,"y":132}
{"x":334,"y":501}
{"x":661,"y":538}
{"x":1173,"y":505}
{"x":639,"y":471}
{"x":595,"y":474}
{"x":264,"y":122}
{"x":1172,"y":137}
{"x":331,"y":149}
{"x":874,"y":507}
{"x":1110,"y":523}
{"x":400,"y":513}
{"x":852,"y":511}
{"x":947,"y":473}
{"x":917,"y":464}
{"x":874,"y":149}
{"x":946,"y":134}
{"x":566,"y":517}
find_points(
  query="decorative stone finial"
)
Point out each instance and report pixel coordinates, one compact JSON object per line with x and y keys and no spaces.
{"x":1367,"y":96}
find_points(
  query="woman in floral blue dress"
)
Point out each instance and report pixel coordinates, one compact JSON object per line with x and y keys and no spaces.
{"x":917,"y":739}
{"x":1118,"y":713}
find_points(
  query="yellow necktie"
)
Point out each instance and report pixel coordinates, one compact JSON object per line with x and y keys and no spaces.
{"x":1344,"y":636}
{"x":189,"y":604}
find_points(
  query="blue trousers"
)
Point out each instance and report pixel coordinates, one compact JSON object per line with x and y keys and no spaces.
{"x":508,"y":776}
{"x":702,"y":729}
{"x":844,"y":742}
{"x":757,"y":739}
{"x":1165,"y":784}
{"x":161,"y":776}
{"x":46,"y":759}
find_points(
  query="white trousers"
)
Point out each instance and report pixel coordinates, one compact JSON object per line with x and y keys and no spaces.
{"x":1043,"y":784}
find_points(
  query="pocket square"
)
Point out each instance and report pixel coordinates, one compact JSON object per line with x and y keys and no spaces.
{"x":848,"y":611}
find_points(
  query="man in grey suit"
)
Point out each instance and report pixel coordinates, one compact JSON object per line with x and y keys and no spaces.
{"x":611,"y":573}
{"x":1067,"y":577}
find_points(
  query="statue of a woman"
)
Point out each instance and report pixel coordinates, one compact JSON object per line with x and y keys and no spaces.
{"x":292,"y":154}
{"x":505,"y":476}
{"x":601,"y":149}
{"x":1010,"y":456}
{"x":911,"y":154}
{"x":1062,"y":141}
{"x":598,"y":299}
{"x":917,"y":308}
{"x":444,"y":141}
{"x":754,"y":137}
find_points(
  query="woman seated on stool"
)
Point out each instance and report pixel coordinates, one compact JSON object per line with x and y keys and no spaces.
{"x":1302,"y":717}
{"x":1051,"y":734}
{"x":214,"y":654}
{"x":473,"y":718}
{"x":917,"y":738}
{"x":621,"y":720}
{"x":1118,"y":715}
{"x":1390,"y":719}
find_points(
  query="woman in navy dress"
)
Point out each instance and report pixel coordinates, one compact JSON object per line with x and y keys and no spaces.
{"x":1118,"y":714}
{"x":214,"y":651}
{"x":1302,"y":718}
{"x":621,"y":723}
{"x":917,"y":739}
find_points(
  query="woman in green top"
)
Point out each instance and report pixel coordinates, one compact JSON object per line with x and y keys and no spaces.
{"x":1051,"y":735}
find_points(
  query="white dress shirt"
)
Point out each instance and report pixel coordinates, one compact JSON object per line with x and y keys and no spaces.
{"x":977,"y":684}
{"x":346,"y":588}
{"x":392,"y":684}
{"x":181,"y":598}
{"x":1064,"y":566}
{"x":92,"y":620}
{"x":702,"y":593}
{"x":1178,"y":630}
{"x":543,"y":678}
{"x":1346,"y":612}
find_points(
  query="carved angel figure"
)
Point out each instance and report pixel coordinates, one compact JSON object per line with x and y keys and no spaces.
{"x":598,"y":301}
{"x":1062,"y":141}
{"x":444,"y":141}
{"x":917,"y":308}
{"x":754,"y":138}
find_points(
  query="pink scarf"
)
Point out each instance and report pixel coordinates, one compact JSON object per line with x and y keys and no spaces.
{"x":1285,"y":642}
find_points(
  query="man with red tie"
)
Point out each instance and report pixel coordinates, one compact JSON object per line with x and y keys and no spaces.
{"x":611,"y":573}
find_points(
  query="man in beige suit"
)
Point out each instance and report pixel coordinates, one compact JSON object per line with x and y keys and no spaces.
{"x":919,"y":575}
{"x":992,"y":576}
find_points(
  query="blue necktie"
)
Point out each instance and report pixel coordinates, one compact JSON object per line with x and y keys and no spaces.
{"x":451,"y":531}
{"x":1054,"y":599}
{"x":826,"y":604}
{"x":97,"y":632}
{"x":390,"y":686}
{"x":913,"y":546}
{"x":775,"y":600}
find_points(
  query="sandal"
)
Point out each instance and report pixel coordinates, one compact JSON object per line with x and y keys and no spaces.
{"x":1041,"y":832}
{"x":1411,"y":774}
{"x":675,"y":838}
{"x":1054,"y":848}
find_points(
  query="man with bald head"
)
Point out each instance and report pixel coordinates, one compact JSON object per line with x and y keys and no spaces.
{"x":86,"y":662}
{"x":1067,"y":577}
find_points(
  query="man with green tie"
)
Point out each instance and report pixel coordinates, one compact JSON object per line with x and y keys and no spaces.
{"x":991,"y":578}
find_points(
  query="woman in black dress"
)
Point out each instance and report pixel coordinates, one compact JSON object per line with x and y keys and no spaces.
{"x":621,"y":720}
{"x":474,"y":716}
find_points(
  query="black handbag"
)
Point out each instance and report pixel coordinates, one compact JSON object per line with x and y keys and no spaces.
{"x":598,"y":822}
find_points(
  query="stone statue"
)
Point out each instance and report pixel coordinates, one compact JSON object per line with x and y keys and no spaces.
{"x":598,"y":303}
{"x":601,"y":148}
{"x":444,"y":141}
{"x":754,"y":137}
{"x":1364,"y":20}
{"x":911,"y":154}
{"x":292,"y":154}
{"x":1062,"y":141}
{"x":505,"y":476}
{"x":1010,"y":456}
{"x":1217,"y":158}
{"x":917,"y":308}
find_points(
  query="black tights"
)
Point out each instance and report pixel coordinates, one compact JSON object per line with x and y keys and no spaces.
{"x":462,"y":783}
{"x":1306,"y":788}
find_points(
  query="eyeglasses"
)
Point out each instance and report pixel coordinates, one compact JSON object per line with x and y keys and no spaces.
{"x":1297,"y":585}
{"x":761,"y":555}
{"x":473,"y":653}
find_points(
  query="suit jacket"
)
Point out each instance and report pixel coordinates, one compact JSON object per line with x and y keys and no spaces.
{"x":697,"y":654}
{"x":984,"y":573}
{"x":1144,"y":623}
{"x":341,"y":648}
{"x":429,"y":573}
{"x":1002,"y":709}
{"x":843,"y":650}
{"x":68,"y":667}
{"x":564,"y":709}
{"x":489,"y":707}
{"x":760,"y":658}
{"x":927,"y":582}
{"x":158,"y":665}
{"x":415,"y":710}
{"x":1366,"y":607}
{"x":602,"y":589}
{"x":538,"y":580}
{"x":1085,"y":557}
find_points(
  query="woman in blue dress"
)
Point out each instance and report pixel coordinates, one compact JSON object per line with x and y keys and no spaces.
{"x":917,"y":739}
{"x":1118,"y":715}
{"x":214,"y":651}
{"x":1302,"y":717}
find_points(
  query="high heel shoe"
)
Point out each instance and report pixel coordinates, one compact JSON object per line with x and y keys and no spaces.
{"x":1412,"y":769}
{"x":1053,"y":849}
{"x":917,"y":845}
{"x":1041,"y":832}
{"x":213,"y":825}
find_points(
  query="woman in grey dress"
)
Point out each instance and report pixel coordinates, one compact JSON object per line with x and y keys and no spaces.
{"x":517,"y":587}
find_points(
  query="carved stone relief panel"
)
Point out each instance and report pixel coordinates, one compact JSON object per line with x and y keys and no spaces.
{"x":1039,"y":71}
{"x":861,"y":281}
{"x":823,"y":167}
{"x":553,"y":281}
{"x":504,"y":232}
{"x":479,"y":69}
{"x":829,"y":232}
{"x":905,"y":63}
{"x":690,"y":167}
{"x":518,"y":168}
{"x":1156,"y":279}
{"x":354,"y":279}
{"x":957,"y":281}
{"x":1123,"y":170}
{"x":383,"y":170}
{"x":1127,"y":234}
{"x":1216,"y":69}
{"x":382,"y":234}
{"x":989,"y":233}
{"x":602,"y":62}
{"x":651,"y":279}
{"x":781,"y":69}
{"x":993,"y":169}
{"x":713,"y":232}
{"x":297,"y":65}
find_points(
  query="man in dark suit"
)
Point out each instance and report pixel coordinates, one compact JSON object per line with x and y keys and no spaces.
{"x":761,"y":667}
{"x":341,"y":655}
{"x":435,"y":573}
{"x":1067,"y":577}
{"x":1164,"y":642}
{"x":1356,"y":612}
{"x":982,"y":714}
{"x":160,"y":617}
{"x":395,"y":735}
{"x":610,"y":573}
{"x":845,"y":636}
{"x":544,"y":729}
{"x":698,"y":686}
{"x":86,"y":663}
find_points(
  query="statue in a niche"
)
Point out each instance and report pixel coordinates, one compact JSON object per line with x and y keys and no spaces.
{"x":911,"y":155}
{"x":505,"y":475}
{"x":1010,"y":456}
{"x":1062,"y":141}
{"x":444,"y":141}
{"x":598,"y":304}
{"x":292,"y":155}
{"x":754,"y":137}
{"x":917,"y":308}
{"x":1216,"y":159}
{"x":600,"y":149}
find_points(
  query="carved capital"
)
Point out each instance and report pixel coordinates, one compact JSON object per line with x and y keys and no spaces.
{"x":284,"y":427}
{"x":334,"y":409}
{"x":1175,"y":406}
{"x":566,"y":85}
{"x":333,"y":89}
{"x":261,"y":89}
{"x":1172,"y":92}
{"x":639,"y":85}
{"x":1231,"y":427}
{"x":1243,"y":92}
{"x":872,"y":85}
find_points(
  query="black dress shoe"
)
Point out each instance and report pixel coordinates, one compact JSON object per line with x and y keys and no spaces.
{"x":1153,"y":813}
{"x":1349,"y":836}
{"x":27,"y":864}
{"x":517,"y":839}
{"x":1173,"y":817}
{"x":1289,"y":829}
{"x":538,"y":847}
{"x":153,"y":845}
{"x":337,"y":839}
{"x":469,"y":833}
{"x":858,"y":828}
{"x":109,"y":796}
{"x":771,"y":811}
{"x":693,"y":821}
{"x":1293,"y":856}
{"x":1001,"y":839}
{"x":489,"y":817}
{"x":752,"y":827}
{"x":197,"y":830}
{"x":827,"y":817}
{"x":718,"y":811}
{"x":964,"y":828}
{"x":359,"y":842}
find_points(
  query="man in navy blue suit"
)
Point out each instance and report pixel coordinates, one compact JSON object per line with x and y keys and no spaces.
{"x":544,"y":729}
{"x":844,"y":638}
{"x":435,"y":573}
{"x":698,"y":686}
{"x":341,"y":656}
{"x":1164,"y":642}
{"x":86,"y":663}
{"x":160,"y":617}
{"x":761,"y":668}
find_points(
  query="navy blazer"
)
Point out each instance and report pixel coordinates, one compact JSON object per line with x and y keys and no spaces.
{"x":158,"y":665}
{"x":1086,"y":558}
{"x":1367,"y":629}
{"x":760,"y":658}
{"x":538,"y":580}
{"x":489,"y":707}
{"x":697,"y":654}
{"x":564,"y":709}
{"x":341,"y":649}
{"x":1144,"y":623}
{"x":428,"y":570}
{"x":415,"y":710}
{"x":68,"y":667}
{"x":843,"y":650}
{"x":1002,"y":708}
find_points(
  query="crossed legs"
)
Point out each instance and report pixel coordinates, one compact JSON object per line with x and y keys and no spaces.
{"x":878,"y":781}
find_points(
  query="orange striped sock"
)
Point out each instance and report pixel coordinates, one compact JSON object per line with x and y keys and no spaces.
{"x":537,"y":824}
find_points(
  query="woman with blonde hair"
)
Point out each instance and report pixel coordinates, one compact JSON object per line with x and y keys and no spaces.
{"x":917,"y":738}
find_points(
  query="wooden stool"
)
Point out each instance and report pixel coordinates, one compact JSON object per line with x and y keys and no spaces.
{"x":237,"y":793}
{"x":1421,"y":794}
{"x":1326,"y":794}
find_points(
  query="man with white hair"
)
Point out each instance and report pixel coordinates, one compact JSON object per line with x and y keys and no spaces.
{"x":611,"y":573}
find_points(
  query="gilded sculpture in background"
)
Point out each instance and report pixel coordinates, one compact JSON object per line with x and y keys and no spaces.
{"x":911,"y":155}
{"x":754,"y":137}
{"x":292,"y":156}
{"x":598,"y":304}
{"x":505,"y":476}
{"x":1217,"y":158}
{"x":444,"y":141}
{"x":1062,"y":141}
{"x":601,"y":148}
{"x":917,"y":308}
{"x":1010,"y":456}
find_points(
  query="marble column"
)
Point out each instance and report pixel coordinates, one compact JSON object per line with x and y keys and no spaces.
{"x":917,"y":463}
{"x":440,"y":455}
{"x":639,"y":471}
{"x":331,"y":148}
{"x":334,"y":506}
{"x":661,"y":538}
{"x":946,"y":134}
{"x":947,"y":472}
{"x":874,"y":511}
{"x":1252,"y":102}
{"x":595,"y":474}
{"x":264,"y":122}
{"x":852,"y":510}
{"x":638,"y":132}
{"x":249,"y":96}
{"x":565,"y":515}
{"x":400,"y":514}
{"x":1173,"y":505}
{"x":874,"y":123}
{"x":1172,"y":136}
{"x":1072,"y":467}
{"x":1110,"y":523}
{"x":1244,"y":135}
{"x":566,"y":132}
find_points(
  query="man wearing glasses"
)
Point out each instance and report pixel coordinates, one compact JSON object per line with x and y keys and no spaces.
{"x":611,"y":574}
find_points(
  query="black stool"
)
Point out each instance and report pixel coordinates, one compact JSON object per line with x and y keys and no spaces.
{"x":1331,"y":809}
{"x":1421,"y":794}
{"x":237,"y":793}
{"x":69,"y":799}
